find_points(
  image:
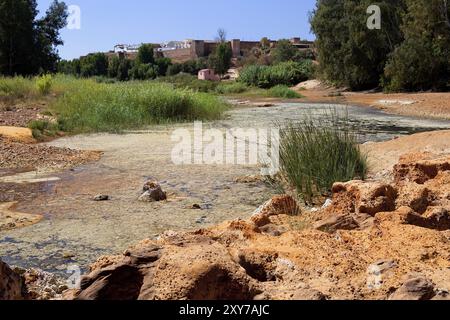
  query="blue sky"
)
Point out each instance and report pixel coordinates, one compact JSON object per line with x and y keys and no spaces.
{"x":105,"y":23}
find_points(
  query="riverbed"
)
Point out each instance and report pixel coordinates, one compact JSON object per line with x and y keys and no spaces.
{"x":75,"y":230}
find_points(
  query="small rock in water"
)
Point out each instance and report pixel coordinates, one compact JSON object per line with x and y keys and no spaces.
{"x":152,"y":192}
{"x":101,"y":197}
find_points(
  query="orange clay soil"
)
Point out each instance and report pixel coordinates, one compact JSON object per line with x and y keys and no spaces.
{"x":427,"y":105}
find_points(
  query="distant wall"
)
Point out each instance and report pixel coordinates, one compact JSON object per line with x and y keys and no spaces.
{"x":179,"y":55}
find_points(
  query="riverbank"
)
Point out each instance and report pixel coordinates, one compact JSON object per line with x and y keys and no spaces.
{"x":424,"y":105}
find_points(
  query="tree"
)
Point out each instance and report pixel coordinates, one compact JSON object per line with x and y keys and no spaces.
{"x":220,"y":60}
{"x":95,"y":64}
{"x":163,"y":65}
{"x":123,"y":73}
{"x":28,"y":45}
{"x":349,"y":53}
{"x":221,"y":35}
{"x":145,"y":54}
{"x":284,"y":51}
{"x":422,"y":61}
{"x":48,"y":37}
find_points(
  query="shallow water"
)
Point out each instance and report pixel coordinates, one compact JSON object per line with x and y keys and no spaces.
{"x":77,"y":230}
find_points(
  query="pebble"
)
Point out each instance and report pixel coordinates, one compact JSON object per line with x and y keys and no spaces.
{"x":101,"y":197}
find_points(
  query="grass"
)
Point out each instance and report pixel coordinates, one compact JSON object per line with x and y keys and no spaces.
{"x":16,"y":88}
{"x":89,"y":106}
{"x":228,"y":88}
{"x":187,"y":81}
{"x":282,"y":91}
{"x":43,"y":128}
{"x":314,"y":155}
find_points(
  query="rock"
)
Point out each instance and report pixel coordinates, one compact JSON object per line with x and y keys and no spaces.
{"x":196,"y":206}
{"x":11,"y":284}
{"x":278,"y":205}
{"x":152,"y":192}
{"x":42,"y":285}
{"x":417,"y":288}
{"x":273,"y":230}
{"x":335,"y":223}
{"x":101,"y":197}
{"x":269,"y":257}
{"x":363,"y":197}
{"x":419,"y":171}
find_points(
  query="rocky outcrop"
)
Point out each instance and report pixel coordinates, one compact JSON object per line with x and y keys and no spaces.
{"x":419,"y":195}
{"x":370,"y":236}
{"x":11,"y":284}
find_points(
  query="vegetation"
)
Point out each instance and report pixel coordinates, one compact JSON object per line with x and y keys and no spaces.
{"x":286,"y":73}
{"x":15,"y":88}
{"x":282,"y":91}
{"x":187,"y":81}
{"x":231,"y":88}
{"x":220,"y":60}
{"x":43,"y":128}
{"x":422,"y":61}
{"x":315,"y":155}
{"x":410,"y":52}
{"x":191,"y":67}
{"x":44,"y":84}
{"x":27,"y":43}
{"x":90,"y":106}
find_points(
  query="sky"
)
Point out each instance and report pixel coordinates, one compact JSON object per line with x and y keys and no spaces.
{"x":105,"y":23}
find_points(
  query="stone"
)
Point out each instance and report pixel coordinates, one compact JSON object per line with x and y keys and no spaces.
{"x":416,"y":288}
{"x":335,"y":223}
{"x":101,"y":197}
{"x":278,"y":205}
{"x":152,"y":192}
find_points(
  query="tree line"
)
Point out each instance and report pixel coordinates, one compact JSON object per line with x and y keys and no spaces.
{"x":146,"y":65}
{"x":410,"y":52}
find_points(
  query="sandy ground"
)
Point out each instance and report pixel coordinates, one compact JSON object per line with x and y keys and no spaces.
{"x":384,"y":155}
{"x":426,"y":105}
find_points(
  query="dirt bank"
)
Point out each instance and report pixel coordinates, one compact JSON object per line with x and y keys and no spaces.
{"x":425,"y":105}
{"x":384,"y":155}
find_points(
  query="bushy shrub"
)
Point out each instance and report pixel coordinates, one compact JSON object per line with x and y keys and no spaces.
{"x":231,"y":88}
{"x":44,"y":84}
{"x":282,"y":91}
{"x":314,"y":155}
{"x":42,"y":128}
{"x":286,"y":73}
{"x":191,"y":67}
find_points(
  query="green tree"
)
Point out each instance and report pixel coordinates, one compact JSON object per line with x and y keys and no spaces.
{"x":145,"y":54}
{"x":284,"y":51}
{"x":220,"y":60}
{"x":163,"y":65}
{"x":95,"y":64}
{"x":113,"y":67}
{"x":349,"y":53}
{"x":422,"y":61}
{"x":123,"y":72}
{"x":28,"y":45}
{"x":48,"y":36}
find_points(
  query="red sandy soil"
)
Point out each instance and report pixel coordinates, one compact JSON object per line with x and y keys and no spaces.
{"x":427,"y":105}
